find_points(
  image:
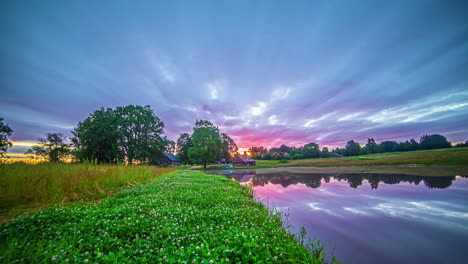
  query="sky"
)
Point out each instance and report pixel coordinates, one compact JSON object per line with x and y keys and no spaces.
{"x":265,"y":72}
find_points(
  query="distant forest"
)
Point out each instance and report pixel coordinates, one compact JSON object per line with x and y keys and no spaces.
{"x":352,"y":148}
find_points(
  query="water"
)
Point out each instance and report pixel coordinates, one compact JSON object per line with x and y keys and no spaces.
{"x":371,"y":218}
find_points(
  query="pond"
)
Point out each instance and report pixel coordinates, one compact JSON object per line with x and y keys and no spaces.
{"x":370,"y":217}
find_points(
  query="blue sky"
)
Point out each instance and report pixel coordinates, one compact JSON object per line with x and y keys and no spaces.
{"x":266,"y":72}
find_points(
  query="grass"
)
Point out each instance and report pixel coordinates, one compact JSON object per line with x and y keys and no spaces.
{"x":181,"y":217}
{"x":450,"y":156}
{"x":24,"y":187}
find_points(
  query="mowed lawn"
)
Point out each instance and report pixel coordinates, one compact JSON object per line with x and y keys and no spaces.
{"x":451,"y":156}
{"x":180,"y":217}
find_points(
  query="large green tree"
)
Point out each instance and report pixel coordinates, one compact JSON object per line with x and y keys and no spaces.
{"x":54,"y":147}
{"x":311,"y":150}
{"x":5,"y":132}
{"x":140,"y":133}
{"x":388,"y":146}
{"x":435,"y":141}
{"x":325,"y":153}
{"x":352,"y":148}
{"x":371,"y":146}
{"x":184,"y":142}
{"x":126,"y":133}
{"x":207,"y":143}
{"x":97,"y":137}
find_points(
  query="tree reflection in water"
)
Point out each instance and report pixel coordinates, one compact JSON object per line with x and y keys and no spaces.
{"x":314,"y":180}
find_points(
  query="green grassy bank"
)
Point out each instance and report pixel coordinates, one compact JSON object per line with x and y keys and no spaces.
{"x":180,"y":217}
{"x":25,"y":187}
{"x":450,"y":156}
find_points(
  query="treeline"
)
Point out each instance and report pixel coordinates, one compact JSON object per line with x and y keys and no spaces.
{"x":129,"y":134}
{"x":352,"y":148}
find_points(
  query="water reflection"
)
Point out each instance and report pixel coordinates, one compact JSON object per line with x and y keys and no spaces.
{"x":382,"y":218}
{"x":315,"y":180}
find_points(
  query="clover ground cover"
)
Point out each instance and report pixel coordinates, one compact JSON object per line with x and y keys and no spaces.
{"x":180,"y":217}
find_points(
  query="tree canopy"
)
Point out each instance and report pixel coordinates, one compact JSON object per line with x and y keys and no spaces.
{"x":207,"y":143}
{"x":352,"y":148}
{"x":434,"y":142}
{"x":371,"y":146}
{"x":184,"y":142}
{"x":311,"y":150}
{"x":228,"y":147}
{"x":54,"y":147}
{"x":5,"y":132}
{"x":126,"y":133}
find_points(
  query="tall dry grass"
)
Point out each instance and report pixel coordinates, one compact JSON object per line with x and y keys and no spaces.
{"x":50,"y":183}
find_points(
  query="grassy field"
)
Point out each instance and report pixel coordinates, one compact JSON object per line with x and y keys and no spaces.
{"x":451,"y":156}
{"x":181,"y":217}
{"x":24,"y":187}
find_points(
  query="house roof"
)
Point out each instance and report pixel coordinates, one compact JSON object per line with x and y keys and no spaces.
{"x":245,"y":158}
{"x":171,"y":156}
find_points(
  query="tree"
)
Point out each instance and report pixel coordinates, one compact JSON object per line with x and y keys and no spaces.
{"x":325,"y":153}
{"x":435,"y":141}
{"x":283,"y":148}
{"x":5,"y":132}
{"x":53,"y":147}
{"x":461,"y":144}
{"x":207,"y":143}
{"x":371,"y":146}
{"x":257,"y":152}
{"x":268,"y":156}
{"x":388,"y":146}
{"x":170,"y":146}
{"x":311,"y":150}
{"x":184,"y":142}
{"x":140,"y":133}
{"x":127,"y":133}
{"x":352,"y":148}
{"x":228,"y":147}
{"x":414,"y":145}
{"x":97,"y":137}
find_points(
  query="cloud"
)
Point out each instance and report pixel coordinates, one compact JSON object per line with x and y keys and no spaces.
{"x":263,"y":81}
{"x":314,"y":122}
{"x":216,"y":87}
{"x":428,"y":109}
{"x":258,"y":109}
{"x":280,"y":93}
{"x":166,"y":73}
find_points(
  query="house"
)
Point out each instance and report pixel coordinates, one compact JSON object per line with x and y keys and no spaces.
{"x":169,"y":159}
{"x":335,"y":155}
{"x":243,"y":160}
